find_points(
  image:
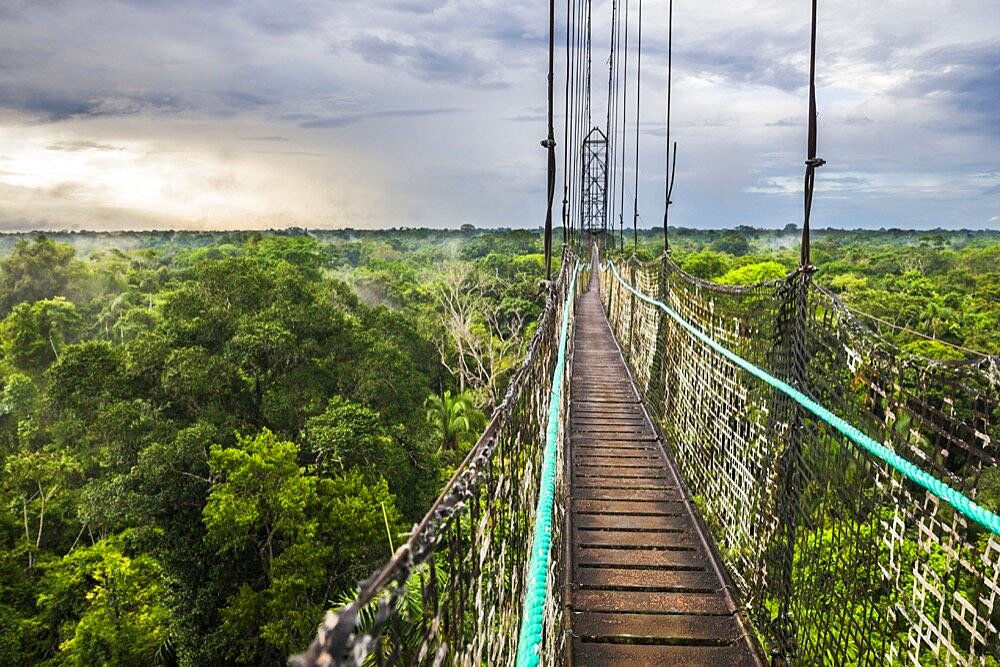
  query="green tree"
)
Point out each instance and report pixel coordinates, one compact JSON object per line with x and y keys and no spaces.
{"x":733,"y":243}
{"x":265,"y":509}
{"x":106,"y":607}
{"x":37,"y":269}
{"x":706,"y":264}
{"x":455,"y":420}
{"x":350,"y":435}
{"x":34,"y":485}
{"x":752,"y":274}
{"x":36,"y":333}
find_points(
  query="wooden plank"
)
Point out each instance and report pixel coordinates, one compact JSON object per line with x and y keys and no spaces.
{"x":633,"y":481}
{"x":641,"y":655}
{"x":631,"y":522}
{"x":624,"y":431}
{"x":619,"y":493}
{"x":626,"y":538}
{"x":642,"y":476}
{"x":586,"y":462}
{"x":590,"y":458}
{"x":620,"y":441}
{"x":649,"y":602}
{"x":665,"y":507}
{"x":646,"y":450}
{"x":665,"y":628}
{"x":603,"y":417}
{"x":641,"y":559}
{"x":678,"y":581}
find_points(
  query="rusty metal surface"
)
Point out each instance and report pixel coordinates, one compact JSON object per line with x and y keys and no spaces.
{"x":642,"y":586}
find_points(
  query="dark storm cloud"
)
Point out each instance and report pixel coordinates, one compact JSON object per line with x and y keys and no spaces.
{"x":241,"y":100}
{"x":747,"y":57}
{"x":48,"y":104}
{"x":83,"y":59}
{"x":418,"y":6}
{"x":746,"y":69}
{"x":354,"y":118}
{"x":275,"y":19}
{"x":966,"y":77}
{"x":55,"y":105}
{"x":429,"y":62}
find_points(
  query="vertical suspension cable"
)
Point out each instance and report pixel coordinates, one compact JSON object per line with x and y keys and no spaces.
{"x":590,"y":119}
{"x":638,"y":92}
{"x":578,"y":113}
{"x":608,"y":156}
{"x":624,"y":144}
{"x":567,"y":239}
{"x":549,"y":143}
{"x":812,"y":162}
{"x":668,"y":185}
{"x":572,"y":27}
{"x":613,"y":147}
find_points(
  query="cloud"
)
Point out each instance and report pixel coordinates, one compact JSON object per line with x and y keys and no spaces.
{"x":746,"y":58}
{"x":54,"y":105}
{"x":428,"y":62}
{"x":527,"y":118}
{"x":965,"y":77}
{"x":857,"y":120}
{"x":268,"y":139}
{"x":74,"y":146}
{"x":241,"y":100}
{"x":418,"y":6}
{"x":419,"y":90}
{"x":351,"y":119}
{"x":790,"y":121}
{"x":302,"y":153}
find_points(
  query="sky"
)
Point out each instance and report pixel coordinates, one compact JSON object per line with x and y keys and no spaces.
{"x":185,"y":114}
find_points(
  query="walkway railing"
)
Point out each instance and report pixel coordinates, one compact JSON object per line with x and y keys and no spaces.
{"x":453,"y":593}
{"x":838,"y":556}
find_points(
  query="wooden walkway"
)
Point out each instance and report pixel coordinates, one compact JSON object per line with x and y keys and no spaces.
{"x":642,"y":585}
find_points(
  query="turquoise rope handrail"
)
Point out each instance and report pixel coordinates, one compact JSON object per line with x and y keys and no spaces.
{"x":532,"y":618}
{"x":962,"y":503}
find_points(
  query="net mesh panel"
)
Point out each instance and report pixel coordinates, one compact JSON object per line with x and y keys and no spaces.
{"x":837,"y":557}
{"x":452,"y":595}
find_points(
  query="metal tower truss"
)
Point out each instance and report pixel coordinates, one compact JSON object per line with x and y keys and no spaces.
{"x":594,"y":217}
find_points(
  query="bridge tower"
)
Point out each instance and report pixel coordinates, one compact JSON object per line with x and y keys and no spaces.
{"x":594,"y":207}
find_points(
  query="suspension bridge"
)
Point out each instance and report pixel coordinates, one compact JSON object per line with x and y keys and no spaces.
{"x":689,"y":473}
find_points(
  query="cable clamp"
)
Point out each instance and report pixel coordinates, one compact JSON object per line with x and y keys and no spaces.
{"x":548,"y":143}
{"x":815,"y":162}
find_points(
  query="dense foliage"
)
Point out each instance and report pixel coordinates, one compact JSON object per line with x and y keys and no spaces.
{"x":907,"y":286}
{"x":207,"y":438}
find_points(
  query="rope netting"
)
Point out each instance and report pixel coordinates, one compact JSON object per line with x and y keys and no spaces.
{"x":839,"y":557}
{"x":453,"y":593}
